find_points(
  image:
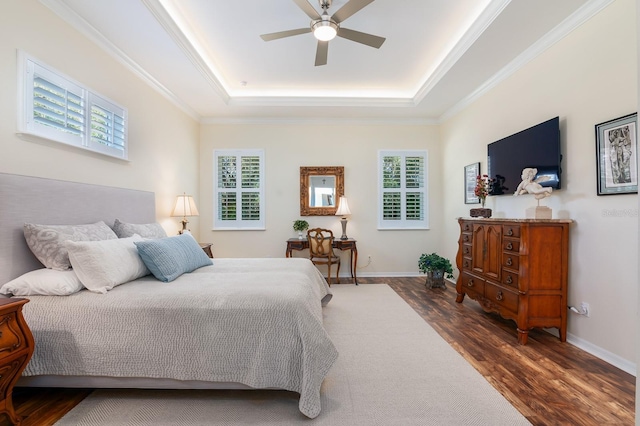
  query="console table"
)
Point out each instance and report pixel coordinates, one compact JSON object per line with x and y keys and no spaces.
{"x":348,"y":244}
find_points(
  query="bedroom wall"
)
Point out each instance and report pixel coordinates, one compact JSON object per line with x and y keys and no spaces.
{"x":355,"y":146}
{"x":587,"y":78}
{"x":163,"y":140}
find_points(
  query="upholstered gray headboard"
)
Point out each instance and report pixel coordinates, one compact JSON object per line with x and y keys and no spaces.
{"x":25,"y":199}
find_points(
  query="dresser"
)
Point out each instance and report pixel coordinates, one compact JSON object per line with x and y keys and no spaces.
{"x":516,"y":268}
{"x":16,"y":348}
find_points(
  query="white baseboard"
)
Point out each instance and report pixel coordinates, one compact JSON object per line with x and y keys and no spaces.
{"x":613,"y":359}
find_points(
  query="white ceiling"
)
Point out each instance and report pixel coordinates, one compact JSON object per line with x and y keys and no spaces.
{"x":207,"y":55}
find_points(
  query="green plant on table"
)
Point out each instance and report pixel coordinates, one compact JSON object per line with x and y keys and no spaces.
{"x":434,"y":262}
{"x":300,"y":225}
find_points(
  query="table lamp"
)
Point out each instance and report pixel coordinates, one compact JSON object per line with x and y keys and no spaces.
{"x":185,"y":206}
{"x":343,"y":210}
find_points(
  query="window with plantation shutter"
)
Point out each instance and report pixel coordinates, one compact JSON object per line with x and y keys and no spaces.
{"x":54,"y":107}
{"x":402,"y":190}
{"x":239,"y":189}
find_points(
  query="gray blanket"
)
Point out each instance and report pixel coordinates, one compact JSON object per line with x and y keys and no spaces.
{"x":251,"y":321}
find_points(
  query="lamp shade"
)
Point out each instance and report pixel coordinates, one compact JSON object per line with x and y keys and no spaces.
{"x":343,"y":207}
{"x":185,"y":206}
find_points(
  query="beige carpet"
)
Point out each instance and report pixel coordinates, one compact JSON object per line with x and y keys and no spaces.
{"x":393,"y":369}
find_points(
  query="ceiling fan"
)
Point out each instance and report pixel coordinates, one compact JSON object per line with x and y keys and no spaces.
{"x":326,"y":27}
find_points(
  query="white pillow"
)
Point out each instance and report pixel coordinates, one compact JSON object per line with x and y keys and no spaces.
{"x":102,"y":265}
{"x":45,"y":282}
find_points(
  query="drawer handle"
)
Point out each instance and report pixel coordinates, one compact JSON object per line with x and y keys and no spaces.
{"x":466,"y":227}
{"x":466,"y":250}
{"x":509,"y":261}
{"x":466,"y":263}
{"x":509,"y":246}
{"x":509,"y":279}
{"x":470,"y":283}
{"x":510,"y":232}
{"x":499,"y":296}
{"x":466,"y":238}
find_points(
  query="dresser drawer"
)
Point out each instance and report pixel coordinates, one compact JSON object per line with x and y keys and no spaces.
{"x":467,"y":238}
{"x":510,"y":244}
{"x":501,"y":297}
{"x":511,"y":261}
{"x":510,"y":278}
{"x":473,"y":283}
{"x":467,"y":227}
{"x":466,"y":263}
{"x":11,"y":336}
{"x":511,"y":231}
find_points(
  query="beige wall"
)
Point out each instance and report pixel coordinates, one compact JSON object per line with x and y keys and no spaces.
{"x":163,"y":140}
{"x":587,"y":78}
{"x":289,"y":146}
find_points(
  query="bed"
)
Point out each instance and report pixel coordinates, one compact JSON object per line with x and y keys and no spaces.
{"x":235,"y":323}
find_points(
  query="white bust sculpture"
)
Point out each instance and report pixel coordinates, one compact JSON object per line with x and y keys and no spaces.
{"x":531,"y":186}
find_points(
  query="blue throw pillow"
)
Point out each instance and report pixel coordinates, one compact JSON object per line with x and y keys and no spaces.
{"x":168,"y":258}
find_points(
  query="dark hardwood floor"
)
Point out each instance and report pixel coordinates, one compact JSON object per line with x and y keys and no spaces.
{"x":549,"y":382}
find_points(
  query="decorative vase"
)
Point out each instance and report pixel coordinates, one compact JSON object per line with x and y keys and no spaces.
{"x":435,"y":279}
{"x":300,"y":236}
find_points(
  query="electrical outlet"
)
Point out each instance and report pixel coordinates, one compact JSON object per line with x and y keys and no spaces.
{"x":585,"y":308}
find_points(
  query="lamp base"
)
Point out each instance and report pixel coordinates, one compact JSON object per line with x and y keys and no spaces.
{"x":344,"y":229}
{"x":184,"y":226}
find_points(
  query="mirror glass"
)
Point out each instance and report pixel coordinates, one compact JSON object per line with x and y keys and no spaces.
{"x":320,"y":189}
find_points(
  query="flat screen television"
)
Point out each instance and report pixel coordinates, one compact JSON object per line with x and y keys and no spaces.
{"x":537,"y":146}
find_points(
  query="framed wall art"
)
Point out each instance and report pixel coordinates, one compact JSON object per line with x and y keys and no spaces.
{"x":471,"y":172}
{"x":617,"y":155}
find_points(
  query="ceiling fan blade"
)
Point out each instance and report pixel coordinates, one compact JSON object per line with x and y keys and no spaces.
{"x":308,"y":9}
{"x":282,"y":34}
{"x":364,"y":38}
{"x":322,"y":53}
{"x":349,"y":9}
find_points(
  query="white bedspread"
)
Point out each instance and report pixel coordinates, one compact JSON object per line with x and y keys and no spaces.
{"x":251,"y":321}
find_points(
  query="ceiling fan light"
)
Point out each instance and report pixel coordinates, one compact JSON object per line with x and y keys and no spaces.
{"x":325,"y":30}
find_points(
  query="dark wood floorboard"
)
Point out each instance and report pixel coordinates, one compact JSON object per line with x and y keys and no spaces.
{"x":549,"y":382}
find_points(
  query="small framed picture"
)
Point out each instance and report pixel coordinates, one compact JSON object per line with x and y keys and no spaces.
{"x":471,"y":173}
{"x":617,"y":156}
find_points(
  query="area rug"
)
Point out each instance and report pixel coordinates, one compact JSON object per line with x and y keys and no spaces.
{"x":393,"y":369}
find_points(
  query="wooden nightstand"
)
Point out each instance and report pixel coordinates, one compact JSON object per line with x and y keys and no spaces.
{"x":207,"y":249}
{"x":16,"y":348}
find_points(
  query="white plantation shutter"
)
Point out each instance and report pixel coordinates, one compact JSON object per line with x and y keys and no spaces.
{"x":414,"y":179}
{"x":239,"y":188}
{"x":402,"y":189}
{"x":58,"y":107}
{"x":54,"y":107}
{"x":108,"y":126}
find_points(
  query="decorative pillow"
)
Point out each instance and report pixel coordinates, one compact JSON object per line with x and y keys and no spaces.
{"x":45,"y":282}
{"x":102,"y":265}
{"x":46,"y":241}
{"x":170,"y":257}
{"x":145,"y":230}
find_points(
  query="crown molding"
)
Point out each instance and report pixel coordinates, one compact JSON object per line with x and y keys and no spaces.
{"x":491,"y":12}
{"x":321,"y":101}
{"x":77,"y":22}
{"x":333,"y":121}
{"x":579,"y":17}
{"x":168,"y":20}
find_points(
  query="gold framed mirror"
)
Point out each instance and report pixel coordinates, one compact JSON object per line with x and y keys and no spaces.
{"x":320,"y":190}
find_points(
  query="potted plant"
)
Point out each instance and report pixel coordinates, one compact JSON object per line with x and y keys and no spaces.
{"x":300,"y":226}
{"x":436,"y":267}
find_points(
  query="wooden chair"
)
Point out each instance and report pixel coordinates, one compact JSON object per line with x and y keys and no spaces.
{"x":321,"y":250}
